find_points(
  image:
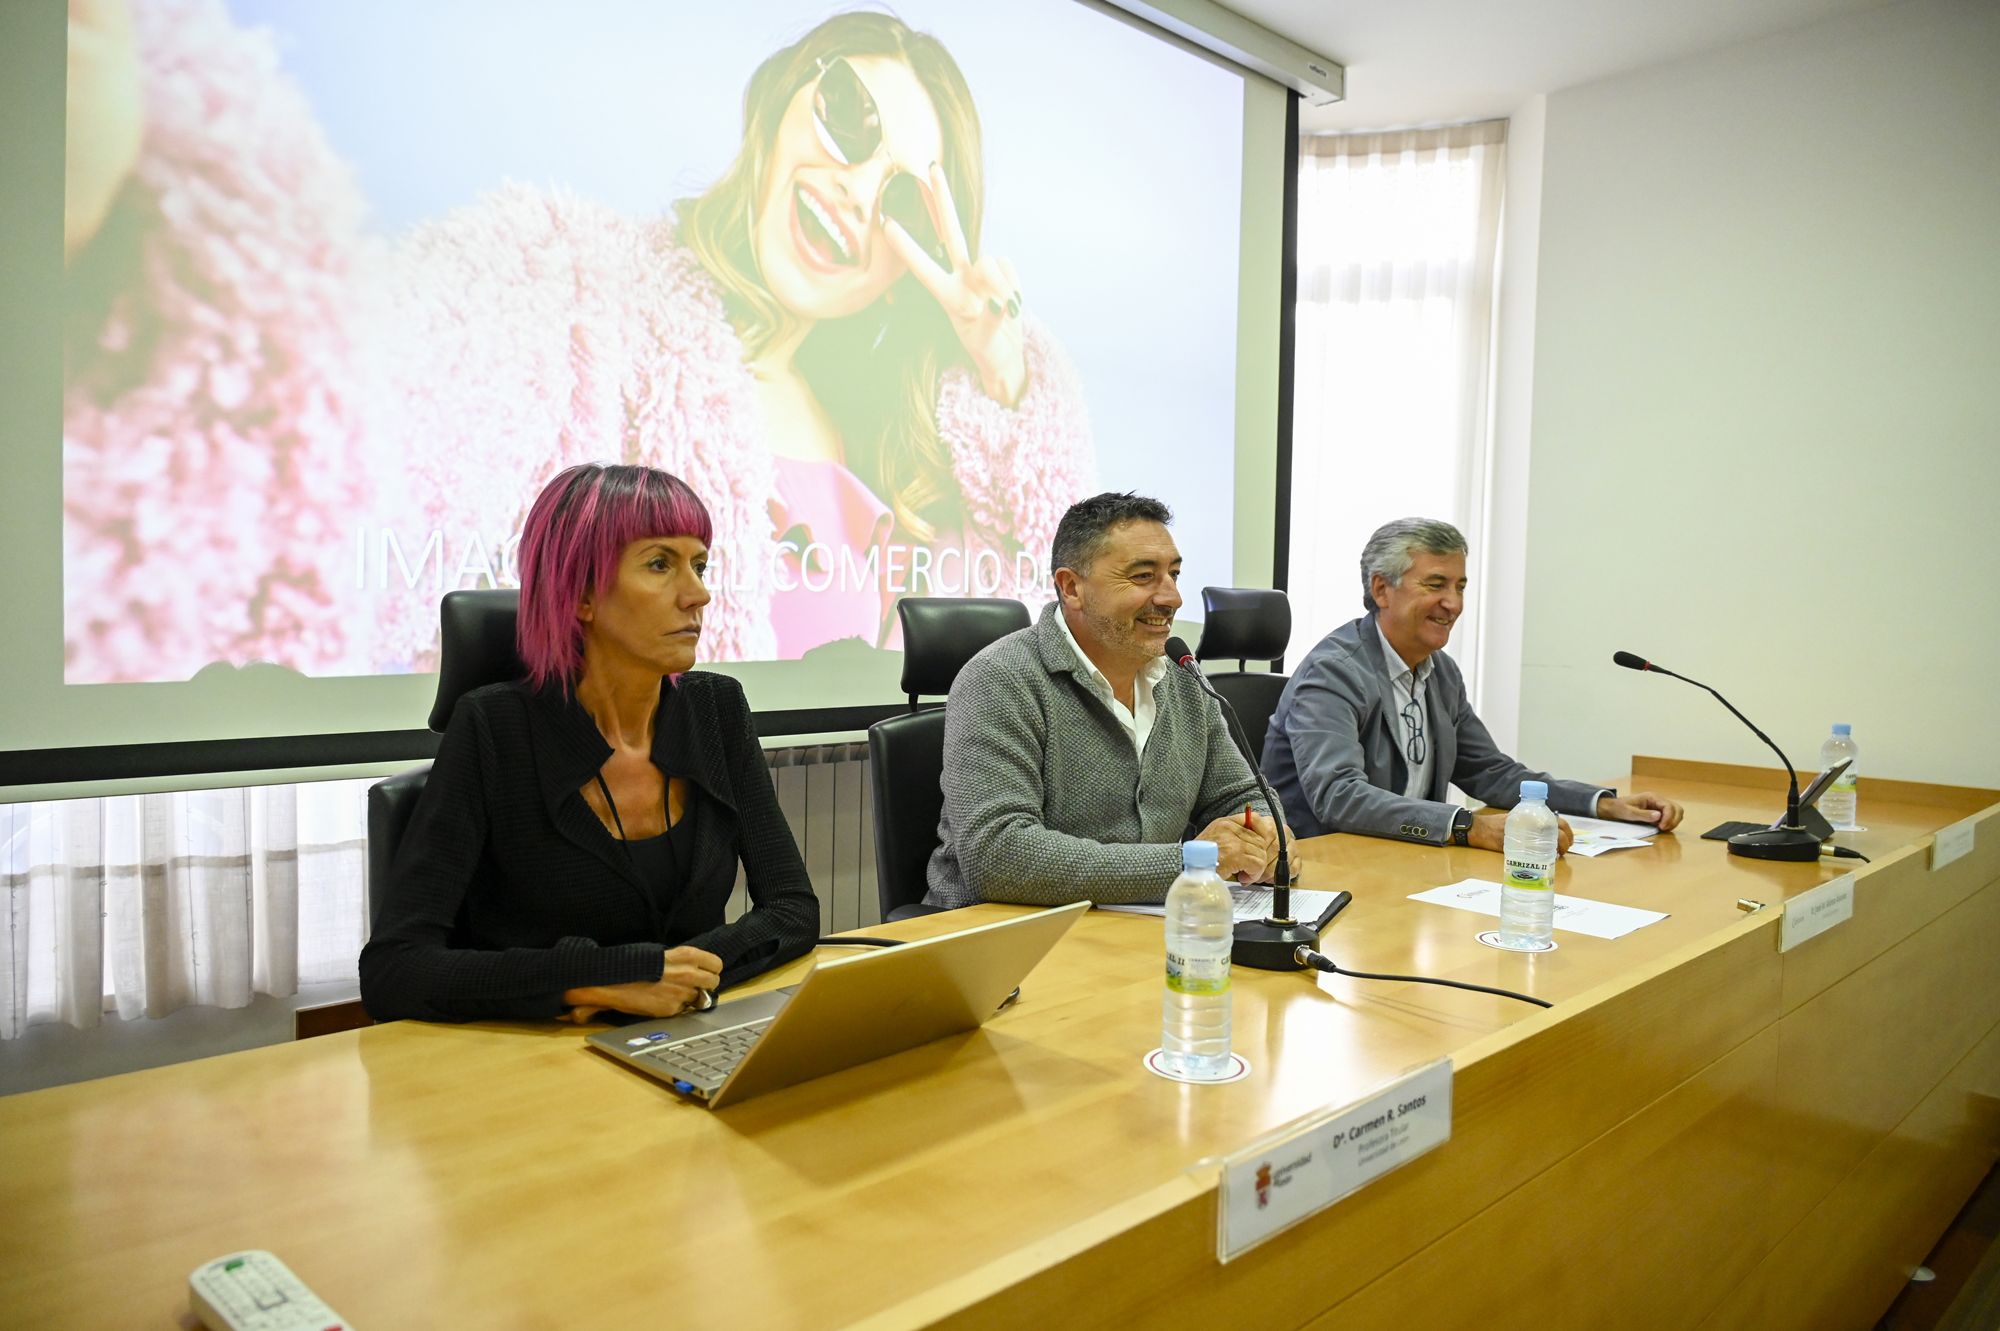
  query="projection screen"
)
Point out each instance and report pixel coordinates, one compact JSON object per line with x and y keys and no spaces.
{"x":338,"y":288}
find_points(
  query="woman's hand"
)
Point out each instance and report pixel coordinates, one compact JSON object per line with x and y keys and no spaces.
{"x":982,"y":299}
{"x":105,"y":124}
{"x":686,"y":977}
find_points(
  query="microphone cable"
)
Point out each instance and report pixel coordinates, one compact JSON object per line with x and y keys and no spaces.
{"x":1319,"y":961}
{"x":1844,"y":853}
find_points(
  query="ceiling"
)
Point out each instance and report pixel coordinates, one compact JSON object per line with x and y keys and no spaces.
{"x":1429,"y":62}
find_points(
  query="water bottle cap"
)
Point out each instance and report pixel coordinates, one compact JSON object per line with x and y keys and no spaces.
{"x":1535,"y":790}
{"x":1842,"y":728}
{"x":1200,"y":854}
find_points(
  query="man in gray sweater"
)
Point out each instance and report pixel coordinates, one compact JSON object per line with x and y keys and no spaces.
{"x":1076,"y":757}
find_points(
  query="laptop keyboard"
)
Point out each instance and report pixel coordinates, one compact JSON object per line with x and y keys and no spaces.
{"x":706,"y":1061}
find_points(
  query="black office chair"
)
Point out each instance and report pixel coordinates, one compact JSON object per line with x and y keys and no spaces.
{"x":906,"y":753}
{"x":1249,"y":624}
{"x":476,"y":648}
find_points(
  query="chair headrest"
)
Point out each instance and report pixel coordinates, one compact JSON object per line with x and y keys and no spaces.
{"x":1244,"y":623}
{"x":942,"y":633}
{"x":476,"y":646}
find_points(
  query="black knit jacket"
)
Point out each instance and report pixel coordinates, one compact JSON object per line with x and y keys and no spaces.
{"x":508,"y":890}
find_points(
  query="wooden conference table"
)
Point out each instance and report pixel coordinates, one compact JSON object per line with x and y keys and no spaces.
{"x":1702,"y":1132}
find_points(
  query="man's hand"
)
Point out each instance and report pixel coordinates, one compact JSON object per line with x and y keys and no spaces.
{"x":1643,"y":807}
{"x":686,"y":975}
{"x":1244,"y":854}
{"x":1489,"y":832}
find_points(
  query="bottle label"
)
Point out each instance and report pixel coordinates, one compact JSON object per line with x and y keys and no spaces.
{"x":1198,"y":975}
{"x":1526,"y":874}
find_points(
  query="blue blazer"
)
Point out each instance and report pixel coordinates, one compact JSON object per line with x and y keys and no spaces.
{"x":1332,"y":758}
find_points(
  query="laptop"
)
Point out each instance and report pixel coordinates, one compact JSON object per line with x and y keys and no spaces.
{"x":847,"y":1011}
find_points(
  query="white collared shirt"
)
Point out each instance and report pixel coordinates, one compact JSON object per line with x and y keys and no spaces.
{"x":1138,"y":719}
{"x":1405,"y":684}
{"x":1410,"y":685}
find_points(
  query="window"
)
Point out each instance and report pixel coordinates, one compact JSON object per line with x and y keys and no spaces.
{"x":144,"y":904}
{"x":1397,"y":240}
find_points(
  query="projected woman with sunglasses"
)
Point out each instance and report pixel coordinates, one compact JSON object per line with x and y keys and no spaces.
{"x":284,"y":436}
{"x":843,"y":239}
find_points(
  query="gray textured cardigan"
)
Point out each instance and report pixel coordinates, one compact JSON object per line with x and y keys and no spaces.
{"x":1045,"y":801}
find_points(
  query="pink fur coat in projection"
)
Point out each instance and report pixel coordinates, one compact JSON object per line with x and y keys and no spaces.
{"x":284,"y":435}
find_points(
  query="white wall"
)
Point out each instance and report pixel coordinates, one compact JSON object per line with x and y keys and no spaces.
{"x":1766,"y":421}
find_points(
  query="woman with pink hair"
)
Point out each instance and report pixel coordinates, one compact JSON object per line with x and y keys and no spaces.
{"x":578,"y":837}
{"x":284,"y":437}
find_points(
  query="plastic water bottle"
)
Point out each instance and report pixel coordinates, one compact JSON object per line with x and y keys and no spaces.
{"x":1840,"y":803}
{"x":1527,"y":889}
{"x":1201,"y":925}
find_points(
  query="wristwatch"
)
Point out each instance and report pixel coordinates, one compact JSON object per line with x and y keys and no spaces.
{"x":1461,"y":827}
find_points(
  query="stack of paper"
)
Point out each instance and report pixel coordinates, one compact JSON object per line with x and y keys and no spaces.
{"x":1594,"y":836}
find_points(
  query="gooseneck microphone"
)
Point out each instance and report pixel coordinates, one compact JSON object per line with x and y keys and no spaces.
{"x":1272,"y":943}
{"x":1790,"y":842}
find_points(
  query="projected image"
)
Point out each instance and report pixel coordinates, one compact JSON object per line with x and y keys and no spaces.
{"x":339,"y":305}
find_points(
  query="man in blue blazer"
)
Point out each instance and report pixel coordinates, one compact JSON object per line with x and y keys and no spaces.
{"x":1375,"y":724}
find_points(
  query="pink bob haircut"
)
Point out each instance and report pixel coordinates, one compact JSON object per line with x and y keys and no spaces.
{"x":579,"y":526}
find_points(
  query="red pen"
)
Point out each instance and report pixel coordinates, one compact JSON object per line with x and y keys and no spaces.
{"x":1248,"y":821}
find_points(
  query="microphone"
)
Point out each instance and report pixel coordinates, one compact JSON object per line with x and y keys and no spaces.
{"x":1272,"y":943}
{"x":1789,"y":842}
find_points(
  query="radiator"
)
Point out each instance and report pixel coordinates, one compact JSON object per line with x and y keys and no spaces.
{"x":827,"y":798}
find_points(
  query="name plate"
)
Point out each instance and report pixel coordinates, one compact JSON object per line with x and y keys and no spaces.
{"x":1951,"y":843}
{"x":1810,"y":914}
{"x":1272,"y":1186}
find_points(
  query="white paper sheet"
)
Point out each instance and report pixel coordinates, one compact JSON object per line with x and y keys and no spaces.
{"x":1595,"y":836}
{"x":1576,"y":915}
{"x":1590,"y":847}
{"x":1607,"y":827}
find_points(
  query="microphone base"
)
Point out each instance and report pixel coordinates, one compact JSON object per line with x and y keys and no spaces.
{"x":1776,"y":843}
{"x":1271,"y":945}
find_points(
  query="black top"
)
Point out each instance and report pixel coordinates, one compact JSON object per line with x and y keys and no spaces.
{"x":508,"y":890}
{"x":661,"y":860}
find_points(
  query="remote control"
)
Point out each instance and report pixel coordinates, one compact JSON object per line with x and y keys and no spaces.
{"x":254,"y":1291}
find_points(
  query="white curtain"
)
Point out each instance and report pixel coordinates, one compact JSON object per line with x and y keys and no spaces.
{"x":1398,"y":235}
{"x":144,"y":904}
